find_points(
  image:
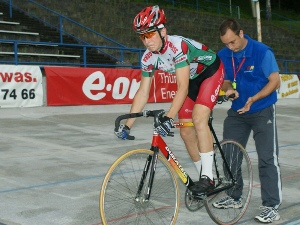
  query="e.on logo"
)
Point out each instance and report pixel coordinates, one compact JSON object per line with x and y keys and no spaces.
{"x":95,"y":87}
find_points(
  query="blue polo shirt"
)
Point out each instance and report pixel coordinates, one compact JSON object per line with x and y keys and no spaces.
{"x":253,"y":75}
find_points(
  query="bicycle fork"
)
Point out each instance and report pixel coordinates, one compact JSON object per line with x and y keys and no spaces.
{"x":150,"y":164}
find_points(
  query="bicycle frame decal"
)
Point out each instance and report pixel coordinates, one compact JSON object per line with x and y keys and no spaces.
{"x":176,"y":165}
{"x":166,"y":151}
{"x":183,"y":124}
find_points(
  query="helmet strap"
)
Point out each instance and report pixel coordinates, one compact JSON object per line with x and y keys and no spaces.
{"x":162,"y":39}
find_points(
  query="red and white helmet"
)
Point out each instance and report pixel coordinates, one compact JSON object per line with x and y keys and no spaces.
{"x":150,"y":18}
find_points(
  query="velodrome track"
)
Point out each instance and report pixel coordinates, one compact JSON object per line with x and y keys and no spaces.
{"x":53,"y":161}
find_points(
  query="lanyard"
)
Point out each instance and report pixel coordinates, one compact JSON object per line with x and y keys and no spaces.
{"x":233,"y":66}
{"x":235,"y":72}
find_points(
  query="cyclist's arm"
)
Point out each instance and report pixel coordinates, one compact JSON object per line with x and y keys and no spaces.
{"x":140,"y":99}
{"x":182,"y":78}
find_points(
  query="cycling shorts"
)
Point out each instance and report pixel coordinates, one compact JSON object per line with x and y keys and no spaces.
{"x":203,"y":90}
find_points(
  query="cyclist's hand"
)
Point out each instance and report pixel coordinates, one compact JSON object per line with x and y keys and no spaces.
{"x":123,"y":132}
{"x":165,"y":126}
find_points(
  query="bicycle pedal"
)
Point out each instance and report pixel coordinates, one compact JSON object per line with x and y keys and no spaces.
{"x":200,"y":196}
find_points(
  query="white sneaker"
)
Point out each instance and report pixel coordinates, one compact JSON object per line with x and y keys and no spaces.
{"x":267,"y":215}
{"x":228,"y":202}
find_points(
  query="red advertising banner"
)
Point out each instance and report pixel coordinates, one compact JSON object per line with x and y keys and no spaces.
{"x":97,"y":86}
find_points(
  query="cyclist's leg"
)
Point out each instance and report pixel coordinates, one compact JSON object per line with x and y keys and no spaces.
{"x":188,"y":134}
{"x":198,"y":137}
{"x":206,"y":99}
{"x":203,"y":91}
{"x":201,"y":115}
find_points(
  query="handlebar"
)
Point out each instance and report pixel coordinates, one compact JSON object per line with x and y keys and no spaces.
{"x":224,"y":98}
{"x":157,"y":114}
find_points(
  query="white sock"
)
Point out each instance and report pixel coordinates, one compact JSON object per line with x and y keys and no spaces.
{"x":198,"y":166}
{"x":207,"y":162}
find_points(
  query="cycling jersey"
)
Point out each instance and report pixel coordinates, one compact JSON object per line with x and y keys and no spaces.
{"x":178,"y":52}
{"x":206,"y":70}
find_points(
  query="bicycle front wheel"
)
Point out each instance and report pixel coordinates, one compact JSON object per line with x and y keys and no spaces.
{"x":221,"y":207}
{"x":120,"y":202}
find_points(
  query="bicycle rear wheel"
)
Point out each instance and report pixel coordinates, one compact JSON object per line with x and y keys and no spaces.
{"x":241,"y":169}
{"x":119,"y":203}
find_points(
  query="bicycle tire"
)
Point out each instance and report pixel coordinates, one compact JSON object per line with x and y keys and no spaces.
{"x":118,"y":203}
{"x":241,"y":168}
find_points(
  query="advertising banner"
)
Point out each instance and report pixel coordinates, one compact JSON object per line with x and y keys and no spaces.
{"x":20,"y":86}
{"x":96,"y":86}
{"x":289,"y":86}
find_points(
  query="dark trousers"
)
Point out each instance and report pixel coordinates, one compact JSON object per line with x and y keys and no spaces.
{"x":263,"y":124}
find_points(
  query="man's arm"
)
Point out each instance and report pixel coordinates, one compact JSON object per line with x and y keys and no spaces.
{"x":271,"y":86}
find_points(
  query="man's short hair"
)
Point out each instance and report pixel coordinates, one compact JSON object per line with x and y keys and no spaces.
{"x":229,"y":24}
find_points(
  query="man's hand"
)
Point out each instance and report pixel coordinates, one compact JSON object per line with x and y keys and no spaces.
{"x":123,"y":132}
{"x":230,"y":93}
{"x":165,"y":126}
{"x":247,"y":106}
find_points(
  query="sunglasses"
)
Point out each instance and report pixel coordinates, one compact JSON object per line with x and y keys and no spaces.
{"x":147,"y":35}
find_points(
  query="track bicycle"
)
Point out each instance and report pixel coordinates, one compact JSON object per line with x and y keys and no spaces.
{"x":141,"y":186}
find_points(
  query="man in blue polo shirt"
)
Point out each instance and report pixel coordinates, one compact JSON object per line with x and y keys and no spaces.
{"x":252,"y":74}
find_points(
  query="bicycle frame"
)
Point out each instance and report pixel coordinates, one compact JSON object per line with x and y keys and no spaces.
{"x":158,"y":144}
{"x":144,"y":181}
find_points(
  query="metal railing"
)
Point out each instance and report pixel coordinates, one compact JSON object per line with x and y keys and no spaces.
{"x":116,"y":52}
{"x":83,"y":62}
{"x":286,"y":66}
{"x":289,"y":66}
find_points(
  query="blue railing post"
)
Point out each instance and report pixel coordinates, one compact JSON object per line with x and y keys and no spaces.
{"x":10,"y":8}
{"x":121,"y":56}
{"x":16,"y":52}
{"x":84,"y":56}
{"x":285,"y":65}
{"x":61,"y":29}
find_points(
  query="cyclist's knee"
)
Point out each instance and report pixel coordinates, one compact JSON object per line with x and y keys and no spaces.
{"x":201,"y":115}
{"x":200,"y":122}
{"x":187,"y":133}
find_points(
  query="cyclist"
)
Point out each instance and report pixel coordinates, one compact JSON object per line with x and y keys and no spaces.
{"x":199,"y":73}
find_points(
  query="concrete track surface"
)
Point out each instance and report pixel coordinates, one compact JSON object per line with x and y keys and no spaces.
{"x":53,"y":161}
